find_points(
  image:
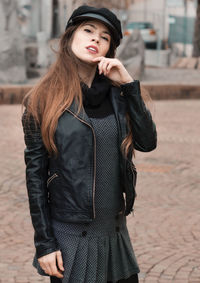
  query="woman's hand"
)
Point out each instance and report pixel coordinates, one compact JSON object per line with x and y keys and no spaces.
{"x":113,"y":69}
{"x":48,"y":264}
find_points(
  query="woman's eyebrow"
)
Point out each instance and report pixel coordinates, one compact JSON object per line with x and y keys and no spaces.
{"x":104,"y":31}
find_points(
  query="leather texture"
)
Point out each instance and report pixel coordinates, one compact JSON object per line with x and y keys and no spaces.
{"x":64,"y":187}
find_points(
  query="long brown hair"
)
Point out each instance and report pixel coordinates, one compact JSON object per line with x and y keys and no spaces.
{"x":56,"y":91}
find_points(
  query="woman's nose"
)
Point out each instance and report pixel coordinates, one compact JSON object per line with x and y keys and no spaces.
{"x":96,"y":39}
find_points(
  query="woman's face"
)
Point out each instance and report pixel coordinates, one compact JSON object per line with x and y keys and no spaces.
{"x":91,"y":40}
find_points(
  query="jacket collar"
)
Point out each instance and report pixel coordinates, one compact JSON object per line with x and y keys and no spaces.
{"x":118,"y":103}
{"x":81,"y":115}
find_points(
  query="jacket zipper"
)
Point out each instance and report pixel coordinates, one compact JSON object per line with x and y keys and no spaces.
{"x":51,"y":178}
{"x":93,"y":192}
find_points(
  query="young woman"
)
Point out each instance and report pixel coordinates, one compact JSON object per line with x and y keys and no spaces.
{"x":82,"y":123}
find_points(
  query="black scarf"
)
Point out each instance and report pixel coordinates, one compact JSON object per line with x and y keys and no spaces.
{"x":96,"y":100}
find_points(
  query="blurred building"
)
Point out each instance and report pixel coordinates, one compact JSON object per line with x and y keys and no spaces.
{"x":158,"y":11}
{"x":50,"y":16}
{"x":173,"y":19}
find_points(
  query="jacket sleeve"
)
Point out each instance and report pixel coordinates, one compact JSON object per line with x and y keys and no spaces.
{"x":36,"y":160}
{"x":143,"y":127}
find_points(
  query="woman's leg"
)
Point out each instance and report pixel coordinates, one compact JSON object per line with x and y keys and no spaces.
{"x":55,"y":279}
{"x":132,"y":279}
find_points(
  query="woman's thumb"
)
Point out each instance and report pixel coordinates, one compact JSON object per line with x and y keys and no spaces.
{"x":59,"y":260}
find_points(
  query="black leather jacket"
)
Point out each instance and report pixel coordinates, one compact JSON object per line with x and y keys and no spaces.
{"x":64,"y":187}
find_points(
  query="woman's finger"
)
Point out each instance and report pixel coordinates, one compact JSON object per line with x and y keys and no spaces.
{"x":109,"y":67}
{"x":53,"y":268}
{"x":100,"y":66}
{"x":55,"y":272}
{"x":104,"y":67}
{"x":60,"y":260}
{"x":46,"y":268}
{"x":50,"y":269}
{"x":97,"y":59}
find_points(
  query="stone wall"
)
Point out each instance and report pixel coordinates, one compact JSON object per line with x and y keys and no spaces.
{"x":15,"y":94}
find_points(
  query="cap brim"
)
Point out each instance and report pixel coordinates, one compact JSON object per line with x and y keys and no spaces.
{"x":97,"y":17}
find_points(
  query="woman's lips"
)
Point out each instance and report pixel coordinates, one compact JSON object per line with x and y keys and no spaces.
{"x":93,"y":49}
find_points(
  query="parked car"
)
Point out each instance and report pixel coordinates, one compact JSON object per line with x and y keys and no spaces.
{"x":147,"y":31}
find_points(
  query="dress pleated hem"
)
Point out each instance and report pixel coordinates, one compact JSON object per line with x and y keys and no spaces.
{"x":96,"y":259}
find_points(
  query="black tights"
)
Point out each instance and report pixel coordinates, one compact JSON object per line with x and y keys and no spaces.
{"x":132,"y":279}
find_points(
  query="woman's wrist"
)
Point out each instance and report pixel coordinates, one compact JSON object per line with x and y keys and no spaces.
{"x":127,"y":80}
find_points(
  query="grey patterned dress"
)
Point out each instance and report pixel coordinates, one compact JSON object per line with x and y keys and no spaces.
{"x":100,"y":251}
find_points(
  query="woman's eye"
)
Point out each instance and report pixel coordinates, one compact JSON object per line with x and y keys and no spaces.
{"x":87,"y":30}
{"x":105,"y":38}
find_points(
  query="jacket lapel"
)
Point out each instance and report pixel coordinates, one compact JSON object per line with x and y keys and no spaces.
{"x":82,"y":114}
{"x":119,"y":106}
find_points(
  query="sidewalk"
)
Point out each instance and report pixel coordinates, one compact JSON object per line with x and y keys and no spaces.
{"x":165,"y":230}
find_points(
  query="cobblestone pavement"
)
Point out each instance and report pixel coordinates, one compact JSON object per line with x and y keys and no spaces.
{"x":165,"y":230}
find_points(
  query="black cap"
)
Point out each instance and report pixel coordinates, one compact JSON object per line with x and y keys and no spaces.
{"x":102,"y":14}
